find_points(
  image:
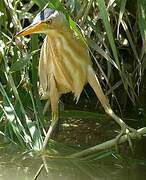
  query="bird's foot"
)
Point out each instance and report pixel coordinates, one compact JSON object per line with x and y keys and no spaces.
{"x":126,"y":130}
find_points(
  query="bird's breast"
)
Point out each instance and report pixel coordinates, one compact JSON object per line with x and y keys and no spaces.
{"x":67,"y":59}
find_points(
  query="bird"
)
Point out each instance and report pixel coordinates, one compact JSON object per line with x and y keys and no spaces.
{"x":65,"y":66}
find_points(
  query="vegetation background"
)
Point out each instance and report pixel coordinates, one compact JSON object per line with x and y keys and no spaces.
{"x":116,"y":35}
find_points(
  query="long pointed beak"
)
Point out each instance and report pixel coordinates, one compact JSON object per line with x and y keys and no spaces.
{"x":32,"y":28}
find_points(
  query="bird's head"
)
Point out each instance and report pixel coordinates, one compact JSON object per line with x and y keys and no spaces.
{"x":45,"y":21}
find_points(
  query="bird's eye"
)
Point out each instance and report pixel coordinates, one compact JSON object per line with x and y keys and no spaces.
{"x":49,"y":21}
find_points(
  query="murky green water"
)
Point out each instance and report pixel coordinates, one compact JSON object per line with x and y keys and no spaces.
{"x":17,"y":165}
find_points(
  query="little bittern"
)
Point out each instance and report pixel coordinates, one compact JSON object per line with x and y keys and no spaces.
{"x":65,"y":65}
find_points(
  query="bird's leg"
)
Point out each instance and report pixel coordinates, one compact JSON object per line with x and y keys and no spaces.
{"x":54,"y":97}
{"x":46,"y":106}
{"x":51,"y":129}
{"x":94,"y":83}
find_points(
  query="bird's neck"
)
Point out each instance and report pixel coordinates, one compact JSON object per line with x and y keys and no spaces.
{"x":54,"y":34}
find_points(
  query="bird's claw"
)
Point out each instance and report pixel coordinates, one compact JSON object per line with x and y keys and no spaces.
{"x":126,"y":130}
